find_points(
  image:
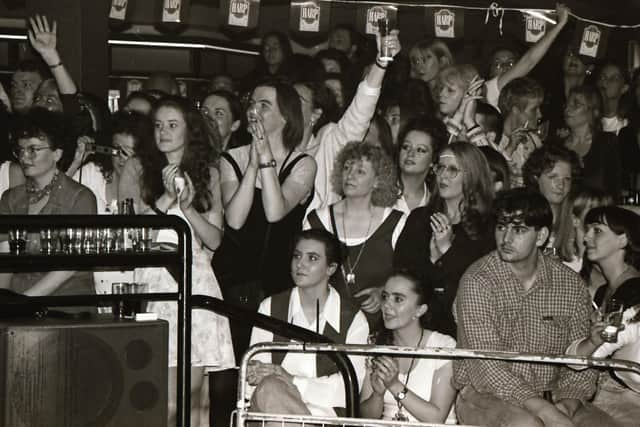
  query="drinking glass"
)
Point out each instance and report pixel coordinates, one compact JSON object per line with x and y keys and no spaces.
{"x":383,"y":30}
{"x":117,"y":307}
{"x":139,"y":306}
{"x":611,"y":314}
{"x":48,"y":240}
{"x":17,"y":241}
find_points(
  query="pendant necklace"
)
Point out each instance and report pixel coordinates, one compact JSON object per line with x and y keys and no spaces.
{"x":401,"y":416}
{"x":349,"y":273}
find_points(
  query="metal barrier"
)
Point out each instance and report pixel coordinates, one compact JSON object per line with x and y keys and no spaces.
{"x":242,"y":414}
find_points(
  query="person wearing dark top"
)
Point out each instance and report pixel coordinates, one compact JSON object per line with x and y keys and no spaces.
{"x":441,"y":240}
{"x":598,"y":151}
{"x":266,"y":187}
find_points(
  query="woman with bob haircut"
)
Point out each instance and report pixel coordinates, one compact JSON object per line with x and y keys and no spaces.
{"x":554,"y":172}
{"x":364,"y":221}
{"x":266,"y":187}
{"x":613,"y":242}
{"x":427,"y":58}
{"x":442,"y":239}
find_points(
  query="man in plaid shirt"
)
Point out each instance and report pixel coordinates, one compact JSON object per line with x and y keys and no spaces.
{"x":516,"y":299}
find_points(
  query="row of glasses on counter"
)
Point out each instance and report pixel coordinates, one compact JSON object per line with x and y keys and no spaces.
{"x":80,"y":240}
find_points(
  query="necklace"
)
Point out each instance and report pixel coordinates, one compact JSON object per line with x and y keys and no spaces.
{"x":350,"y":275}
{"x":401,"y":416}
{"x":35,"y":195}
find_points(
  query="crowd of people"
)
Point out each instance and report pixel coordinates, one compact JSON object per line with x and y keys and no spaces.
{"x":427,"y":205}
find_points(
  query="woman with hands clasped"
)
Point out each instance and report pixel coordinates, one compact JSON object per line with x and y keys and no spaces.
{"x":266,"y":187}
{"x":176,"y":174}
{"x":408,"y":388}
{"x":442,"y":239}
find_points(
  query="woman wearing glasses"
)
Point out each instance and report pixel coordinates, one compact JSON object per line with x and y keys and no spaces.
{"x":39,"y":148}
{"x":364,"y":221}
{"x":442,"y":239}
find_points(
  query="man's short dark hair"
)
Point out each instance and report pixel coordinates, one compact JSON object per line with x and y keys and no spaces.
{"x":332,"y":246}
{"x":523,"y":205}
{"x":31,"y":66}
{"x":518,"y":92}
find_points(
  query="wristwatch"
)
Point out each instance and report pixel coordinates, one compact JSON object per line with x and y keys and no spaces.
{"x":269,"y":164}
{"x":401,"y":394}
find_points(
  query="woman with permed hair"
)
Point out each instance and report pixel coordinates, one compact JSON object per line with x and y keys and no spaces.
{"x":555,"y":172}
{"x":177,"y":174}
{"x":442,"y":239}
{"x":364,"y":221}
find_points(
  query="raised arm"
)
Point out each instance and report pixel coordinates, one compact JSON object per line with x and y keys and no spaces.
{"x":44,"y":38}
{"x":531,"y":58}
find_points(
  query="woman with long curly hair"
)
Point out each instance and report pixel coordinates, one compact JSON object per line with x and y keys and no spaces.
{"x":554,"y":171}
{"x":364,"y":221}
{"x":181,"y":151}
{"x":442,"y":239}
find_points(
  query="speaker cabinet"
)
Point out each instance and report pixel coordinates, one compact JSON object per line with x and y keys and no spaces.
{"x":80,"y":373}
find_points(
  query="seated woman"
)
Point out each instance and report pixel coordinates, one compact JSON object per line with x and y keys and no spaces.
{"x":442,"y":239}
{"x":613,"y":242}
{"x":40,"y":149}
{"x":307,"y":383}
{"x":403,"y":388}
{"x":365,"y":221}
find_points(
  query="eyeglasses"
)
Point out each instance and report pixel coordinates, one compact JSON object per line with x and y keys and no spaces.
{"x":503,"y":65}
{"x":31,"y":151}
{"x":449,"y":172}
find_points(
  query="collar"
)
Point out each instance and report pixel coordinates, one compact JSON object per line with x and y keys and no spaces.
{"x":330,"y":312}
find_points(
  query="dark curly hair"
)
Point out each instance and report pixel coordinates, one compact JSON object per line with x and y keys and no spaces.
{"x":386,"y":192}
{"x":199,"y":156}
{"x":477,"y":188}
{"x":423,"y":289}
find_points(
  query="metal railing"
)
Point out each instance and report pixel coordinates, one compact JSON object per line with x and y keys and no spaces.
{"x":243,"y":414}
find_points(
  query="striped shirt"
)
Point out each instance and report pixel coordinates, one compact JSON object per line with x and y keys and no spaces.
{"x":494,"y":312}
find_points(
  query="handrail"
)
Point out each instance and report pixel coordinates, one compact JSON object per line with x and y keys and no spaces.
{"x":244,"y":415}
{"x":283,"y":328}
{"x":183,"y":256}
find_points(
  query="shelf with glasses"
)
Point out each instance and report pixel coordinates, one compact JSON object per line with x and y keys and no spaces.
{"x":175,"y":258}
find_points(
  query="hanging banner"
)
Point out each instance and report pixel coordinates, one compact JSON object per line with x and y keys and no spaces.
{"x":444,"y":22}
{"x":534,"y":28}
{"x":118,"y":10}
{"x":310,"y":16}
{"x":241,"y":13}
{"x":368,"y":15}
{"x":590,"y":40}
{"x":171,"y":10}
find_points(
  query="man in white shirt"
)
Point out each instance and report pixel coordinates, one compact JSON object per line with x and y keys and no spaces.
{"x":307,"y":383}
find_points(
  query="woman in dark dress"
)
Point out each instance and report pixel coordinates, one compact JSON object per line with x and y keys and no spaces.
{"x":441,"y":240}
{"x":266,"y":187}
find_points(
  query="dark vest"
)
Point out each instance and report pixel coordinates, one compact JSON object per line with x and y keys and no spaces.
{"x":324,"y":365}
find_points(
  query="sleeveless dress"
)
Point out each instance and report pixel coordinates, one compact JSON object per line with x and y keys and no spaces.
{"x":210,"y":335}
{"x":420,"y":378}
{"x":260,"y":251}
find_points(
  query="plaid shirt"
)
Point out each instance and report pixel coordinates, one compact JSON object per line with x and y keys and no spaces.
{"x":495,"y":313}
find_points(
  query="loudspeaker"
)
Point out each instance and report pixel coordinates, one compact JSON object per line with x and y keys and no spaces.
{"x":79,"y":373}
